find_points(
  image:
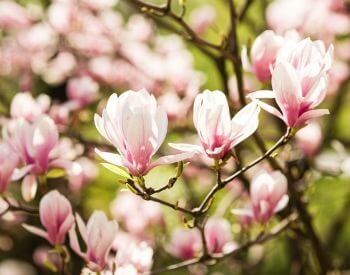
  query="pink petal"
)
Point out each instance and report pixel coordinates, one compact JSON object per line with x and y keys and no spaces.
{"x":282,"y":203}
{"x":29,"y":187}
{"x":114,"y":159}
{"x":187,"y":147}
{"x":173,"y":158}
{"x":74,"y":243}
{"x":36,"y":231}
{"x":310,"y":115}
{"x":261,"y":94}
{"x":21,"y":172}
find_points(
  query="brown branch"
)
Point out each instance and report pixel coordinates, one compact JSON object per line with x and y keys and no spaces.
{"x":305,"y":217}
{"x":244,"y":9}
{"x":18,"y":206}
{"x":275,"y":232}
{"x":233,"y":47}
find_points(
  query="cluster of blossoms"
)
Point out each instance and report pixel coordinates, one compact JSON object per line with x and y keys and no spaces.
{"x":84,"y":47}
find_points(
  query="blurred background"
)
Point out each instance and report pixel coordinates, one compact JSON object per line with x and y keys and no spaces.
{"x":99,"y":47}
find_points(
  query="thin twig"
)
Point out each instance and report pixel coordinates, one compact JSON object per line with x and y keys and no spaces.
{"x":244,"y":9}
{"x":275,"y":232}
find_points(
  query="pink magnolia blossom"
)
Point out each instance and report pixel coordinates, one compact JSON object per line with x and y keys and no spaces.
{"x":185,"y":244}
{"x":139,"y":256}
{"x":98,"y":236}
{"x":13,"y":16}
{"x":308,"y":17}
{"x":56,"y":216}
{"x":268,"y":195}
{"x":99,"y":5}
{"x":137,"y":127}
{"x":139,"y":216}
{"x":82,"y":91}
{"x":81,"y":172}
{"x":263,"y":54}
{"x":217,"y":132}
{"x":218,"y":236}
{"x":62,"y":16}
{"x":25,"y":106}
{"x":202,"y":18}
{"x":299,"y":82}
{"x":8,"y":162}
{"x":34,"y":143}
{"x":309,"y":139}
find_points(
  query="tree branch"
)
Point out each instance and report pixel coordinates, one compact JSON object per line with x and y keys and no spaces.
{"x":275,"y":232}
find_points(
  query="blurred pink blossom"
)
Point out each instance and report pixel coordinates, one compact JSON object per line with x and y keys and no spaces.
{"x":185,"y":244}
{"x":13,"y":16}
{"x":263,"y":54}
{"x":309,"y":139}
{"x":82,"y":91}
{"x":8,"y":163}
{"x":308,"y":17}
{"x":202,"y":18}
{"x":218,"y":236}
{"x":81,"y":172}
{"x":268,"y":195}
{"x":98,"y":236}
{"x":139,"y":256}
{"x":56,"y":216}
{"x":140,"y":214}
{"x":23,"y":105}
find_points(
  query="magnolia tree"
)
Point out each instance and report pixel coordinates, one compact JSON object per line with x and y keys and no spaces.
{"x":217,"y":123}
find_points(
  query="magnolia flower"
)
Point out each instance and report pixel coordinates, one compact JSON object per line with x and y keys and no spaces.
{"x":136,"y":255}
{"x":218,"y":236}
{"x":309,"y":146}
{"x":13,"y":15}
{"x":217,"y":132}
{"x":82,"y":91}
{"x":268,"y":195}
{"x":137,"y":127}
{"x":202,"y":18}
{"x":34,"y":144}
{"x":98,"y":235}
{"x":185,"y":244}
{"x":263,"y":54}
{"x":299,"y":82}
{"x":56,"y":216}
{"x":25,"y":106}
{"x":8,"y":163}
{"x":140,"y":214}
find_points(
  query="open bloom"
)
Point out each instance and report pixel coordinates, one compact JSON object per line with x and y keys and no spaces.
{"x":218,"y":236}
{"x":309,"y":146}
{"x":34,"y":143}
{"x":137,"y":127}
{"x":8,"y":163}
{"x":185,"y":244}
{"x":299,"y":82}
{"x":268,"y":195}
{"x":217,"y":132}
{"x":98,"y":235}
{"x":56,"y":216}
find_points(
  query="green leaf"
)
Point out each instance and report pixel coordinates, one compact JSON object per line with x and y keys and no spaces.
{"x":56,"y":173}
{"x":120,"y":171}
